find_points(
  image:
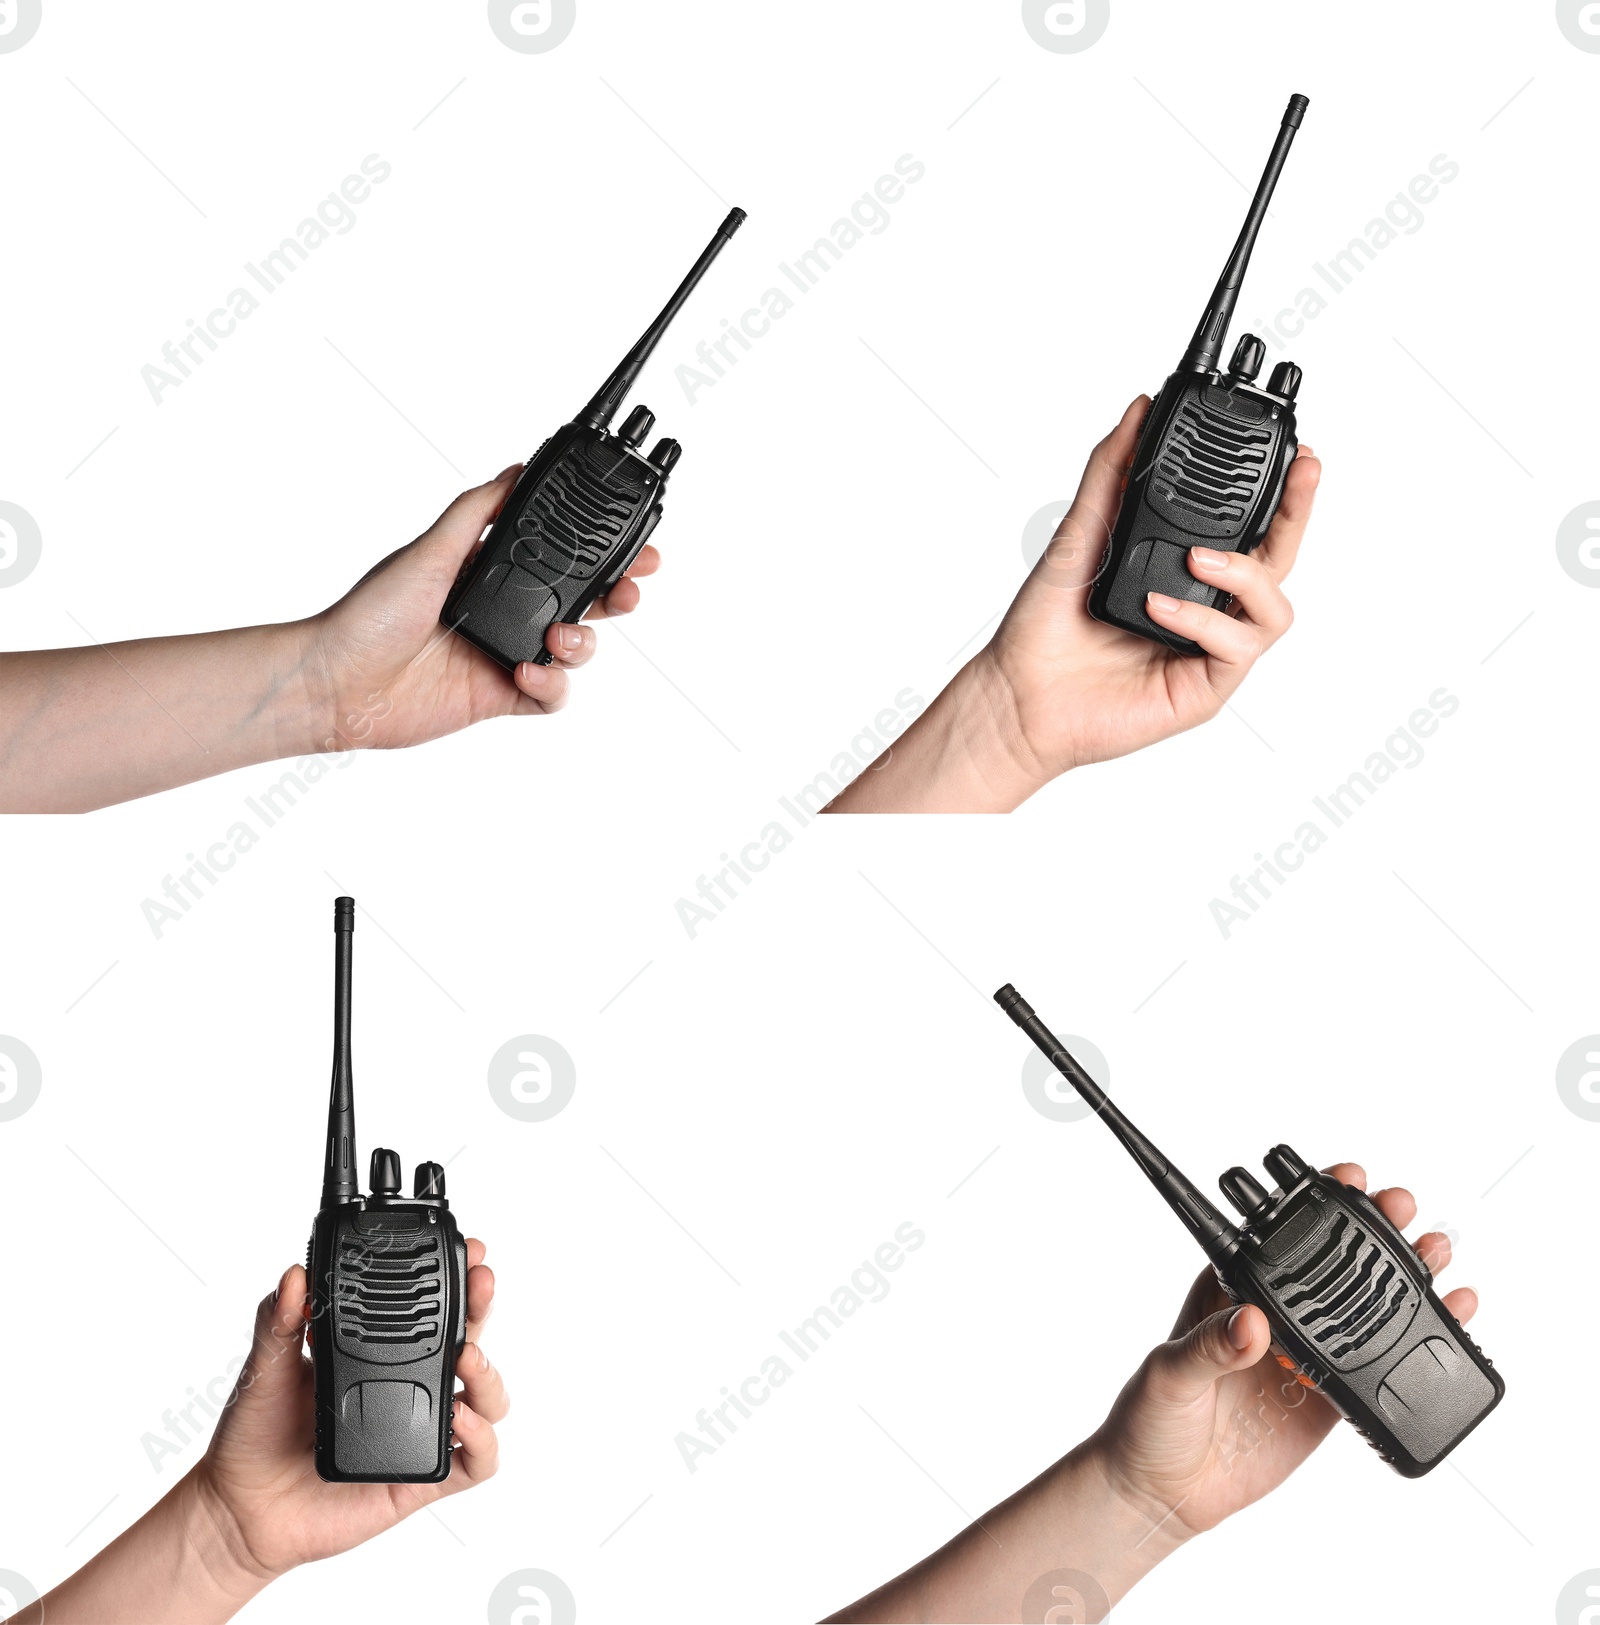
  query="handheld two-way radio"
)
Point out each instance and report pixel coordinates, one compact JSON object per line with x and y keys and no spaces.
{"x":1213,"y":454}
{"x":1351,"y":1305}
{"x":388,"y":1281}
{"x":577,"y":518}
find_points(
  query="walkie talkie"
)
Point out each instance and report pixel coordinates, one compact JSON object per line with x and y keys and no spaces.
{"x":388,"y":1279}
{"x":1351,"y":1305}
{"x":581,"y":511}
{"x":1213,"y":453}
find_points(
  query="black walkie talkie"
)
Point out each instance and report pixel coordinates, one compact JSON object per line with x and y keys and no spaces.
{"x":1213,"y":453}
{"x":578,"y":516}
{"x":1351,"y":1305}
{"x":388,"y":1280}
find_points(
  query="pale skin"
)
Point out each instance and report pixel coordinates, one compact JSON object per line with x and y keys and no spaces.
{"x":1054,"y":689}
{"x":86,"y":727}
{"x":1207,"y":1425}
{"x":254,"y":1508}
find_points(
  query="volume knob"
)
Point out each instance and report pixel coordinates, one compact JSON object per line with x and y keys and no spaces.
{"x":640,"y":421}
{"x":428,"y":1181}
{"x":666,"y":455}
{"x":1284,"y":1166}
{"x":1248,"y":355}
{"x":1285,"y":380}
{"x":1243,"y":1189}
{"x":385,"y":1173}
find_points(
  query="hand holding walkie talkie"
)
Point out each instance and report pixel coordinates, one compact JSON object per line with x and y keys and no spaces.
{"x":1349,"y":1303}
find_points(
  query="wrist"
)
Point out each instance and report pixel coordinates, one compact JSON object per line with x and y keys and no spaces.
{"x":215,"y":1535}
{"x":965,"y":754}
{"x":1136,"y":1530}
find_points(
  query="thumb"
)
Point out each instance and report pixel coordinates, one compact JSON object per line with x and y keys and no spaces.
{"x":450,"y":539}
{"x":1074,"y":554}
{"x":275,"y":1360}
{"x":1231,"y":1340}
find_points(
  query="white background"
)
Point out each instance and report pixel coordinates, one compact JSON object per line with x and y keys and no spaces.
{"x":820,"y":1063}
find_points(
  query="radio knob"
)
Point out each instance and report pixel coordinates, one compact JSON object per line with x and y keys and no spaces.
{"x":1284,"y":1166}
{"x":1285,"y":380}
{"x":429,"y":1180}
{"x":1243,"y":1189}
{"x":641,"y":420}
{"x":1248,"y":355}
{"x":385,"y":1173}
{"x":666,"y":455}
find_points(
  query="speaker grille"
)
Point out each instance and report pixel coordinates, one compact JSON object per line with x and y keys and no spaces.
{"x":390,"y":1289}
{"x":1211,"y":464}
{"x":579,"y":513}
{"x":1347,"y":1293}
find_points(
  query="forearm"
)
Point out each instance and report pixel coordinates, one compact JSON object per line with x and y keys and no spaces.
{"x":178,"y":1565}
{"x":964,"y":754}
{"x":83,"y":728}
{"x":1069,"y":1522}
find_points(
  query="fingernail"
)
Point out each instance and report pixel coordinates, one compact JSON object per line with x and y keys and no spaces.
{"x":1238,"y":1332}
{"x":1208,"y":558}
{"x":1160,"y":601}
{"x":533,"y":675}
{"x":571,"y":637}
{"x":510,"y":468}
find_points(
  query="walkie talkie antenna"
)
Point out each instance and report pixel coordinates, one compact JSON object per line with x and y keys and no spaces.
{"x":339,"y":1168}
{"x":1204,"y":1222}
{"x":1206,"y":346}
{"x":600,"y":411}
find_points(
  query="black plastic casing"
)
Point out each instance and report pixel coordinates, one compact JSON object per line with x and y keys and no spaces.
{"x":1354,"y":1314}
{"x":1209,"y":471}
{"x":584,"y":506}
{"x":388,"y":1294}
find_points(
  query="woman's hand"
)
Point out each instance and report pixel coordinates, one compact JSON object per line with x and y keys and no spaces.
{"x":1211,"y":1422}
{"x":1056,"y":689}
{"x":390,"y":675}
{"x":258,"y":1479}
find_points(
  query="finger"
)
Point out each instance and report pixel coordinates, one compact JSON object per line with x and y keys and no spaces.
{"x":572,"y":646}
{"x":646,"y":564}
{"x":1288,"y":528}
{"x":1231,"y":1340}
{"x":481,"y":1385}
{"x":1255,"y":589}
{"x":1398,"y":1204}
{"x":1435,"y":1251}
{"x":623,"y":599}
{"x":1462,"y":1303}
{"x":480,"y":1299}
{"x":476,"y":1251}
{"x":1348,"y":1173}
{"x":1233,"y":646}
{"x":544,"y":688}
{"x":477,"y":1453}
